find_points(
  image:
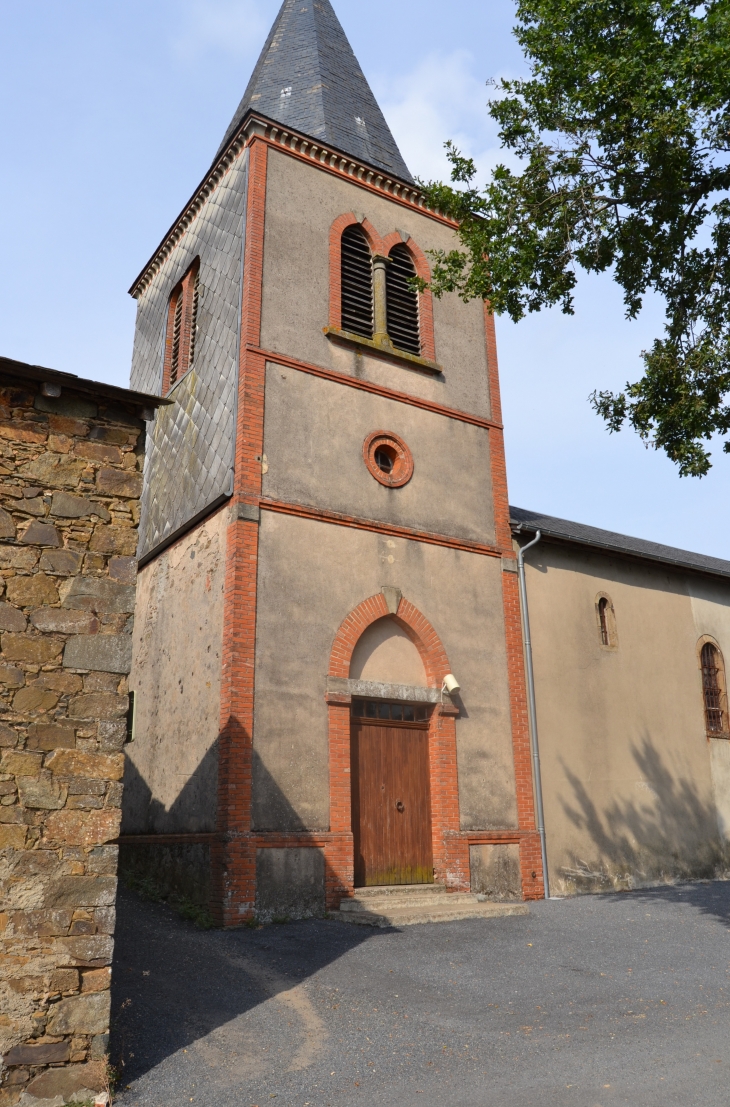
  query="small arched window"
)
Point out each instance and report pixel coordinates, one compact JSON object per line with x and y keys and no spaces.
{"x":606,"y":622}
{"x":182,"y":320}
{"x":713,"y":690}
{"x":402,"y":301}
{"x":357,"y":282}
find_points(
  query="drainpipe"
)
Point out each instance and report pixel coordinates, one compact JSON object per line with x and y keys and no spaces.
{"x":532,"y":706}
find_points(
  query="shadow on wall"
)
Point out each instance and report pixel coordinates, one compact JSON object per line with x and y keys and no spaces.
{"x":193,"y":810}
{"x":173,"y":985}
{"x":290,"y":881}
{"x":629,"y":844}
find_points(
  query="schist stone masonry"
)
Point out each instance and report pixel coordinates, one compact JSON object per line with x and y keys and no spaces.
{"x":70,"y":480}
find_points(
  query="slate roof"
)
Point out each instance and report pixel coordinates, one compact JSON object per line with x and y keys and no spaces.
{"x":23,"y":371}
{"x":615,"y":543}
{"x":308,"y":79}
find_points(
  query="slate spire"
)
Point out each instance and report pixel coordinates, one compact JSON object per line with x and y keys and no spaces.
{"x":308,"y":78}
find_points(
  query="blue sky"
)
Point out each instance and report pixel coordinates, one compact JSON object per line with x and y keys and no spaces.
{"x":112,"y":111}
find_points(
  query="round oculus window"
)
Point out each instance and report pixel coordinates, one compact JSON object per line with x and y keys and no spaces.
{"x":388,"y":458}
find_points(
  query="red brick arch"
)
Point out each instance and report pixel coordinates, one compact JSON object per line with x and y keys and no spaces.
{"x":425,"y":299}
{"x":409,"y":618}
{"x":376,"y":245}
{"x":450,"y":847}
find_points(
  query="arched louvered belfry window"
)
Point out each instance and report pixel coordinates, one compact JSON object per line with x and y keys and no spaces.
{"x":182,"y":320}
{"x":357,"y":282}
{"x":713,"y":690}
{"x":402,"y":301}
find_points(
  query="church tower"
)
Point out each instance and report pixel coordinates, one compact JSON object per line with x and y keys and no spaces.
{"x":325,"y":532}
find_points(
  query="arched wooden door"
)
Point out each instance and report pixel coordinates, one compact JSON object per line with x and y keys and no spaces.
{"x":391,"y":795}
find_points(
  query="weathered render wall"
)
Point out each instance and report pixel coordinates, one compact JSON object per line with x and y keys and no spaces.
{"x":313,"y":438}
{"x":627,"y":768}
{"x":311,"y":575}
{"x":171,"y":774}
{"x":301,"y":205}
{"x":190,"y":449}
{"x":69,"y":488}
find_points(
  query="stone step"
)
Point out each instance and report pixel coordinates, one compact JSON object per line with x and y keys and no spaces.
{"x":401,"y":890}
{"x":392,"y":900}
{"x":438,"y":909}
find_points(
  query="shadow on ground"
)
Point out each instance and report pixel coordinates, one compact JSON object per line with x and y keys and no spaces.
{"x":709,"y":897}
{"x":170,"y":988}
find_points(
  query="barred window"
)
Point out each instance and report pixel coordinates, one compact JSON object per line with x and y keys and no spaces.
{"x":713,"y":679}
{"x":402,"y":301}
{"x":357,"y":282}
{"x":606,"y":622}
{"x":182,"y":320}
{"x":603,"y":620}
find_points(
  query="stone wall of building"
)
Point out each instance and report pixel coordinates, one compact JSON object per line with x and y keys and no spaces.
{"x":70,"y":481}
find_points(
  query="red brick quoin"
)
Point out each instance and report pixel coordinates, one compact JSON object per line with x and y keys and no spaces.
{"x":450,"y":847}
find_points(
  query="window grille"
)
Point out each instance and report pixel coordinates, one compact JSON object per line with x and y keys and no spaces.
{"x":397,"y":712}
{"x":357,"y":282}
{"x":603,"y":621}
{"x":712,"y":690}
{"x":402,"y":302}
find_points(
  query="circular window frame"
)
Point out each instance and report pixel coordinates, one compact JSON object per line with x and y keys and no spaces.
{"x":402,"y":470}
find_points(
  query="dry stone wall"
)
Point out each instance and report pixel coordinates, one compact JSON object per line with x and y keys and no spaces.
{"x":70,"y":482}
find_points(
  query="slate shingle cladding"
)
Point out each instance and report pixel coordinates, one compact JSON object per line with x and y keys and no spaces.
{"x":190,"y":444}
{"x":308,"y":78}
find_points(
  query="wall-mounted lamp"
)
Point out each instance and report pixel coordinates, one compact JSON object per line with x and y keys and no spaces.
{"x":449,"y":685}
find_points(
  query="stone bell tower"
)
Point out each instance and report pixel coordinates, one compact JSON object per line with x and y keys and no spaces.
{"x":325,"y":531}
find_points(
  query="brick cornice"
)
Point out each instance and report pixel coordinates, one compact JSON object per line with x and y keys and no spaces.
{"x":365,"y":176}
{"x":296,"y":145}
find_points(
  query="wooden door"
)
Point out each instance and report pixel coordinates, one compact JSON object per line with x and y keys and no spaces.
{"x":391,"y":802}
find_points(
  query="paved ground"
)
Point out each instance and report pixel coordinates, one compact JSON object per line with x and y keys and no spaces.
{"x":592,"y":1002}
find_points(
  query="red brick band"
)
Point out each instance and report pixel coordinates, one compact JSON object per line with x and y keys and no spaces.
{"x":303,"y":511}
{"x":376,"y":389}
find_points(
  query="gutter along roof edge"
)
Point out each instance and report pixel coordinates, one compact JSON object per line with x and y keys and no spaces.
{"x":566,"y":531}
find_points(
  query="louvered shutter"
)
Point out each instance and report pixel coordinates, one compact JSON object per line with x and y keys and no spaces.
{"x":176,"y":337}
{"x":357,"y":282}
{"x":194,"y":317}
{"x":402,"y":302}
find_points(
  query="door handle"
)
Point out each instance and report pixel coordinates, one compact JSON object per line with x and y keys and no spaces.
{"x":400,"y":806}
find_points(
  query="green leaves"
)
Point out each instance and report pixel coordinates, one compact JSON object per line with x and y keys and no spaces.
{"x":623,"y":131}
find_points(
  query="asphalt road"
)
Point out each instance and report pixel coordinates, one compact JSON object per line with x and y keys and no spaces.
{"x":592,"y":1002}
